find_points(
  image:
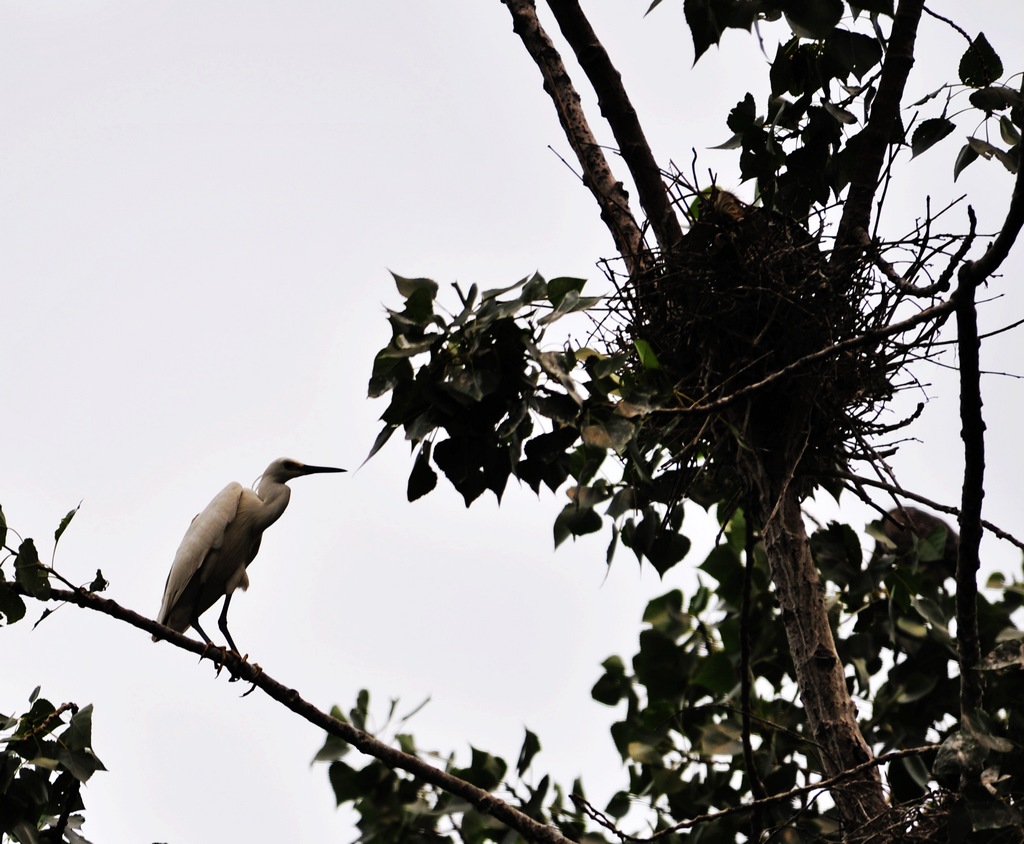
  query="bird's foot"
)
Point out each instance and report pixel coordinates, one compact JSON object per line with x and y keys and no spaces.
{"x":234,"y":678}
{"x":219,"y":663}
{"x":258,"y":671}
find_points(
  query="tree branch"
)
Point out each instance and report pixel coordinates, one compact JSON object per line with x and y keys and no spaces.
{"x":483,"y":801}
{"x":877,"y":135}
{"x":969,"y":278}
{"x":622,"y":118}
{"x":899,"y":492}
{"x":785,"y":796}
{"x":611,"y":196}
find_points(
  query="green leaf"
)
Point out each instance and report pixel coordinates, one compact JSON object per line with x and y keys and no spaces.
{"x":531,"y":746}
{"x":987,"y":150}
{"x":965,"y":157}
{"x":559,"y":287}
{"x":409,"y":286}
{"x":1008,"y":131}
{"x":30,"y":573}
{"x":334,"y":747}
{"x":3,"y":528}
{"x":485,"y":770}
{"x":708,"y":19}
{"x":613,"y":685}
{"x":575,"y":520}
{"x":63,"y":526}
{"x":980,"y":65}
{"x":648,"y":360}
{"x":667,"y":549}
{"x":717,"y":674}
{"x":382,"y":438}
{"x":929,"y":133}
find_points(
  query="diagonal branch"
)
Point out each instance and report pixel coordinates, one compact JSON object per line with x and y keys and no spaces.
{"x":877,"y":135}
{"x":483,"y":801}
{"x":611,"y":196}
{"x":622,"y":118}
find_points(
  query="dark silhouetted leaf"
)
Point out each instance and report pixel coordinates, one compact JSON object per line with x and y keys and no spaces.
{"x":980,"y":65}
{"x":996,"y":98}
{"x":30,"y":573}
{"x":531,"y":746}
{"x":408,"y":286}
{"x":575,"y":520}
{"x":423,"y":478}
{"x":63,"y":526}
{"x":11,"y":604}
{"x":853,"y":52}
{"x":929,"y":133}
{"x":966,"y":156}
{"x":813,"y":18}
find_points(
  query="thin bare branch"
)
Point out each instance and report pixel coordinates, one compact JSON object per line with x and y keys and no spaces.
{"x":899,"y":492}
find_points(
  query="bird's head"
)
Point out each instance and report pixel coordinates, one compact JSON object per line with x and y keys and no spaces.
{"x":284,"y":469}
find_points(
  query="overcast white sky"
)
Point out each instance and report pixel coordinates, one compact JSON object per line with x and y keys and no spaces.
{"x":199,"y":205}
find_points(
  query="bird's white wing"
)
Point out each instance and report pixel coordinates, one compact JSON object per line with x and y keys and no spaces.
{"x":205,"y":534}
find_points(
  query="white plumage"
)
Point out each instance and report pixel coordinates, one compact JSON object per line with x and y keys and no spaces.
{"x":221,"y":542}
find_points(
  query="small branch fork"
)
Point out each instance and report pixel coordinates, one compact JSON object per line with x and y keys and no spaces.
{"x":483,"y":801}
{"x":753,"y":805}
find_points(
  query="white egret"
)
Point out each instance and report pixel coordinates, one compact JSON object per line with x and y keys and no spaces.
{"x":221,"y":542}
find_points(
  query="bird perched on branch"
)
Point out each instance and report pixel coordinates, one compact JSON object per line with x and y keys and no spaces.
{"x":906,"y":527}
{"x":221,"y":542}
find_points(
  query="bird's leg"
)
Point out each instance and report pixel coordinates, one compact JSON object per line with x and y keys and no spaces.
{"x":209,"y":645}
{"x":222,"y":623}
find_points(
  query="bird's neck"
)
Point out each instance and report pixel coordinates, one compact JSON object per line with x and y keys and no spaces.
{"x":275,"y":498}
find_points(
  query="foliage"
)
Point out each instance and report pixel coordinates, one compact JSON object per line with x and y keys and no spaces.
{"x":712,"y":728}
{"x":474,"y":408}
{"x":395,"y":806}
{"x":41,"y":772}
{"x":691,"y":723}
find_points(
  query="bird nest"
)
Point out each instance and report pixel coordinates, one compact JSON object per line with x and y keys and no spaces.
{"x":748,"y":319}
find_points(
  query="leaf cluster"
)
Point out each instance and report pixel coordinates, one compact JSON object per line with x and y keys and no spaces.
{"x":487,"y":402}
{"x":41,"y":772}
{"x":400,"y":808}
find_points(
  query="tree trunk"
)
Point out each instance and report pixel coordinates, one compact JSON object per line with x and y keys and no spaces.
{"x":831,"y":715}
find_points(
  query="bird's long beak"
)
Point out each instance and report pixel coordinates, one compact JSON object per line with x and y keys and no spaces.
{"x":313,"y":470}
